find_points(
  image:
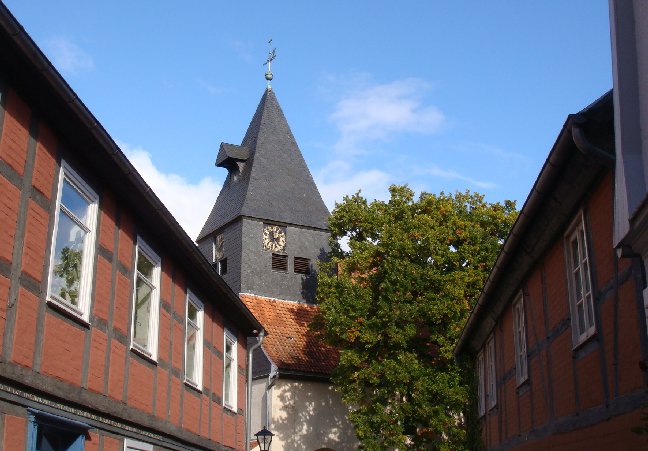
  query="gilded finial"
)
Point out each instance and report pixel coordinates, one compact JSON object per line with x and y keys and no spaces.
{"x":272,"y":54}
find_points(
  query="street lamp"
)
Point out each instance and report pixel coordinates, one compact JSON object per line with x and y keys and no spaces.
{"x":264,"y":438}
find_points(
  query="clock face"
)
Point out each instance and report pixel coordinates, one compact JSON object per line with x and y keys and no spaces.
{"x":274,"y":238}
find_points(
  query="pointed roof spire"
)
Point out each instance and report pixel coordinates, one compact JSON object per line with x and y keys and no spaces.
{"x":268,"y":177}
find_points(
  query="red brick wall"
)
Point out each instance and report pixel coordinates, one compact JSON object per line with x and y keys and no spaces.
{"x":566,"y":382}
{"x":9,"y":203}
{"x":96,"y":373}
{"x":92,"y":441}
{"x":15,"y":433}
{"x":45,"y":162}
{"x":62,"y":353}
{"x":15,"y":133}
{"x":24,"y":343}
{"x":97,"y":357}
{"x":608,"y":435}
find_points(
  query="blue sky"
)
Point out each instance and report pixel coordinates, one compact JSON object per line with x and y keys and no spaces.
{"x":443,"y":96}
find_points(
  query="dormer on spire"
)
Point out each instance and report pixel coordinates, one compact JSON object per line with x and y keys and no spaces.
{"x":232,"y":158}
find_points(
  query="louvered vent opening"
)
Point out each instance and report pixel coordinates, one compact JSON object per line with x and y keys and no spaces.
{"x":279,"y":262}
{"x":302,"y":265}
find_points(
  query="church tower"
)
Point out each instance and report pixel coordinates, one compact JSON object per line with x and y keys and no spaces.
{"x":265,"y":235}
{"x":268,"y":227}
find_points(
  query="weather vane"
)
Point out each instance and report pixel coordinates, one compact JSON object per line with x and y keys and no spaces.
{"x":272,"y":54}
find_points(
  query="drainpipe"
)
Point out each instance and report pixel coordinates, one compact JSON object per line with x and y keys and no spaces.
{"x":248,"y":407}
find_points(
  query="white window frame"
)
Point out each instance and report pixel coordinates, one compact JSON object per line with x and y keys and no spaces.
{"x":230,"y":401}
{"x":519,"y":336}
{"x":481,"y":386}
{"x":82,"y":310}
{"x":198,"y":355}
{"x":491,"y":379}
{"x":151,"y":349}
{"x":135,"y":445}
{"x":582,"y":271}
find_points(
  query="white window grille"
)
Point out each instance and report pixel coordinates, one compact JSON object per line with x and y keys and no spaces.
{"x":146,"y":300}
{"x":581,"y":301}
{"x":73,"y":244}
{"x":194,"y":341}
{"x":229,"y":371}
{"x":519,"y":334}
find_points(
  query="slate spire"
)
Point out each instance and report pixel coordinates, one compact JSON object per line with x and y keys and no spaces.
{"x":267,"y":177}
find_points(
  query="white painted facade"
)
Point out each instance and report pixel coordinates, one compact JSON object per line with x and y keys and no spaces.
{"x":304,"y":416}
{"x":629,"y":35}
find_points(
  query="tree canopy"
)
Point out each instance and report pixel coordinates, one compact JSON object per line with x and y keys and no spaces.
{"x":395,"y":300}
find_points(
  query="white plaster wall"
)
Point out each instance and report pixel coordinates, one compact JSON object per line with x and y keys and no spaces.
{"x":258,"y":412}
{"x":629,"y":33}
{"x":308,"y":416}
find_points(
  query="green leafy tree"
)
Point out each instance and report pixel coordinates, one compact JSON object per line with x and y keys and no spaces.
{"x":395,"y":302}
{"x":68,"y":270}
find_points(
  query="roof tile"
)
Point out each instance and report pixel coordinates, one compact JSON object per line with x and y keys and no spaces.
{"x":290,"y":344}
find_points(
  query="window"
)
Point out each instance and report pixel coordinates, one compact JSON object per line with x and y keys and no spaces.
{"x":134,"y":445}
{"x":54,"y":433}
{"x":280,"y":262}
{"x":73,"y":245}
{"x":481,"y":393}
{"x":519,"y":335}
{"x":491,"y":387}
{"x":218,"y":248}
{"x":302,"y":266}
{"x":580,"y":286}
{"x":146,"y":300}
{"x":229,"y":371}
{"x":222,"y":267}
{"x":194,"y":341}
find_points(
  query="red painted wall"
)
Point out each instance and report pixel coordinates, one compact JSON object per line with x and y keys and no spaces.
{"x":566,"y":386}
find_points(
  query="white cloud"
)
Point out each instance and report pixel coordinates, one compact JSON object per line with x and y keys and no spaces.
{"x":337,"y":179}
{"x":489,"y":149}
{"x":210,"y":88}
{"x":67,"y":56}
{"x":190,"y":203}
{"x":242,"y":49}
{"x":449,"y":174}
{"x":377,"y":112}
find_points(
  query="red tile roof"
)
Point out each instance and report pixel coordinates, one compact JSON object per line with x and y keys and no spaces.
{"x":289,"y":343}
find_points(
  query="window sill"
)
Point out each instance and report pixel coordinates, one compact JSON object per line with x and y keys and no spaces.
{"x":143,"y":354}
{"x":232,"y":409}
{"x":523,"y":387}
{"x":192,"y":385}
{"x":68,"y":311}
{"x":521,"y":383}
{"x":577,"y":347}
